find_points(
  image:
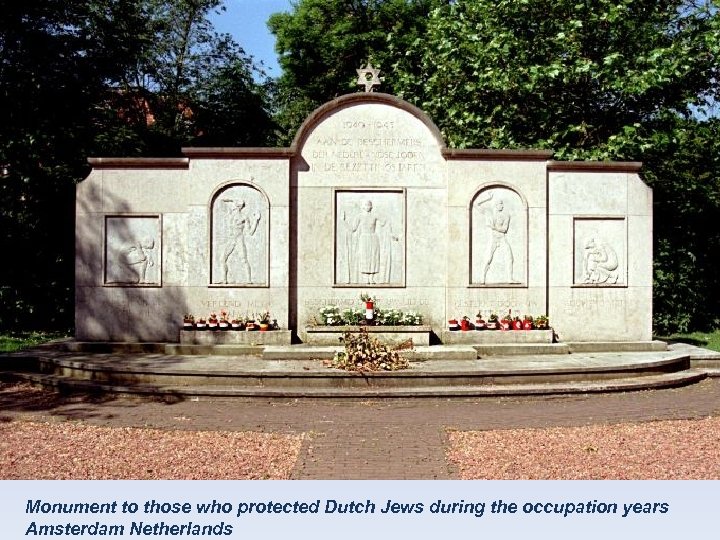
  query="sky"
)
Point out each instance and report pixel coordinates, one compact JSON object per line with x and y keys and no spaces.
{"x":246,"y":20}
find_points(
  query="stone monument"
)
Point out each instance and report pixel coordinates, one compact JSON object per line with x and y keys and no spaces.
{"x":368,"y":198}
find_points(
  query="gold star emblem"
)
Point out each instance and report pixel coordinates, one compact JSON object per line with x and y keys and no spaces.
{"x":369,"y":77}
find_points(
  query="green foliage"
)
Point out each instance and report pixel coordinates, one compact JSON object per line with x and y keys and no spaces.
{"x":583,"y":79}
{"x":22,"y":340}
{"x":52,"y":71}
{"x":232,"y":108}
{"x":684,"y":170}
{"x":365,"y":353}
{"x":709,"y":340}
{"x":332,"y":316}
{"x":602,"y":79}
{"x":352,"y":316}
{"x":101,"y":78}
{"x":321,"y":43}
{"x":197,"y":85}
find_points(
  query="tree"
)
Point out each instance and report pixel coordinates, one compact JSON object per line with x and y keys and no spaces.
{"x":583,"y":78}
{"x":81,"y":79}
{"x":322,"y":42}
{"x":599,"y":79}
{"x":185,"y":73}
{"x":232,"y":109}
{"x":684,"y":170}
{"x":53,"y":70}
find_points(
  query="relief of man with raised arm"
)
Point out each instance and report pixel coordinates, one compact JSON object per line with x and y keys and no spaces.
{"x":497,"y":220}
{"x":239,"y":224}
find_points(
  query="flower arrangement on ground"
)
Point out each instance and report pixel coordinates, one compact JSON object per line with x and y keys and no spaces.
{"x":264,"y":321}
{"x":506,"y":322}
{"x":188,"y":321}
{"x":352,"y":316}
{"x":411,"y":318}
{"x":213,"y":321}
{"x":541,"y":322}
{"x":365,"y":353}
{"x":331,"y":315}
{"x":237,"y":323}
{"x":223,"y":322}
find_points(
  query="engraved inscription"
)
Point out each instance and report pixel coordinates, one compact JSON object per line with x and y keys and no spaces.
{"x":367,"y":146}
{"x":132,"y":245}
{"x":370,"y":237}
{"x":498,"y":302}
{"x":594,"y":302}
{"x":239,"y":236}
{"x":399,"y":302}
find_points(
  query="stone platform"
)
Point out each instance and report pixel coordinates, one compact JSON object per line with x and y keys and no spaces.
{"x":234,"y":337}
{"x":330,"y":335}
{"x":497,"y":337}
{"x":272,"y":372}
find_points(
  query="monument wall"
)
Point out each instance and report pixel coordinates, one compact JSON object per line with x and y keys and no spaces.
{"x":600,"y":254}
{"x":371,"y":199}
{"x":159,"y":238}
{"x":368,"y":199}
{"x":497,"y":209}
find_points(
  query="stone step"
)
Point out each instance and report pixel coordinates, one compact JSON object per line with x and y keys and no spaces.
{"x":103,"y":347}
{"x":326,"y":352}
{"x":502,"y":344}
{"x":666,"y":380}
{"x":215,"y":350}
{"x":163,"y":371}
{"x":520,"y":349}
{"x":699,"y":357}
{"x":617,"y":346}
{"x":232,"y":337}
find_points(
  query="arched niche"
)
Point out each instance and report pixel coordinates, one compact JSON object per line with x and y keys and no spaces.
{"x":239,"y":236}
{"x":498,"y":237}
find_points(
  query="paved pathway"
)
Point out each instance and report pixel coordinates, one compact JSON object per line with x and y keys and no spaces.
{"x":393,"y":439}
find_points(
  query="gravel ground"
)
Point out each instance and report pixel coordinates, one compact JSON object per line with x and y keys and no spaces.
{"x":70,"y":450}
{"x":662,"y":450}
{"x":665,"y":434}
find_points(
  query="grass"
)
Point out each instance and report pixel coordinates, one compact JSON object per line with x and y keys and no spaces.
{"x":709,"y":340}
{"x":22,"y":340}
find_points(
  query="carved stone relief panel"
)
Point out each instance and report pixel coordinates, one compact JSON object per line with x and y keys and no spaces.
{"x":133,"y":250}
{"x":600,"y":252}
{"x":370,"y":237}
{"x":239,"y":237}
{"x":498,"y":237}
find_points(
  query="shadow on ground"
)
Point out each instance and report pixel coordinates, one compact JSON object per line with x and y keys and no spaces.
{"x":21,"y":397}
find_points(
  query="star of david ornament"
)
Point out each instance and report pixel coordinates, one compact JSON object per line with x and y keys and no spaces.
{"x":369,"y":77}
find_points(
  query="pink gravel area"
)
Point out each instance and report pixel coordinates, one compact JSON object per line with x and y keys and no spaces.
{"x":65,"y":451}
{"x":662,"y":450}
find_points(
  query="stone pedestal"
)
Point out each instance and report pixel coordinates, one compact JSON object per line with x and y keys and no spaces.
{"x":496,"y":337}
{"x":330,"y":335}
{"x":233,"y":337}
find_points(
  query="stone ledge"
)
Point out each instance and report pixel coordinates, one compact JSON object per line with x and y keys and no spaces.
{"x":329,"y":335}
{"x":617,"y":346}
{"x":520,"y":349}
{"x":138,"y":163}
{"x":234,"y":337}
{"x":470,"y":337}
